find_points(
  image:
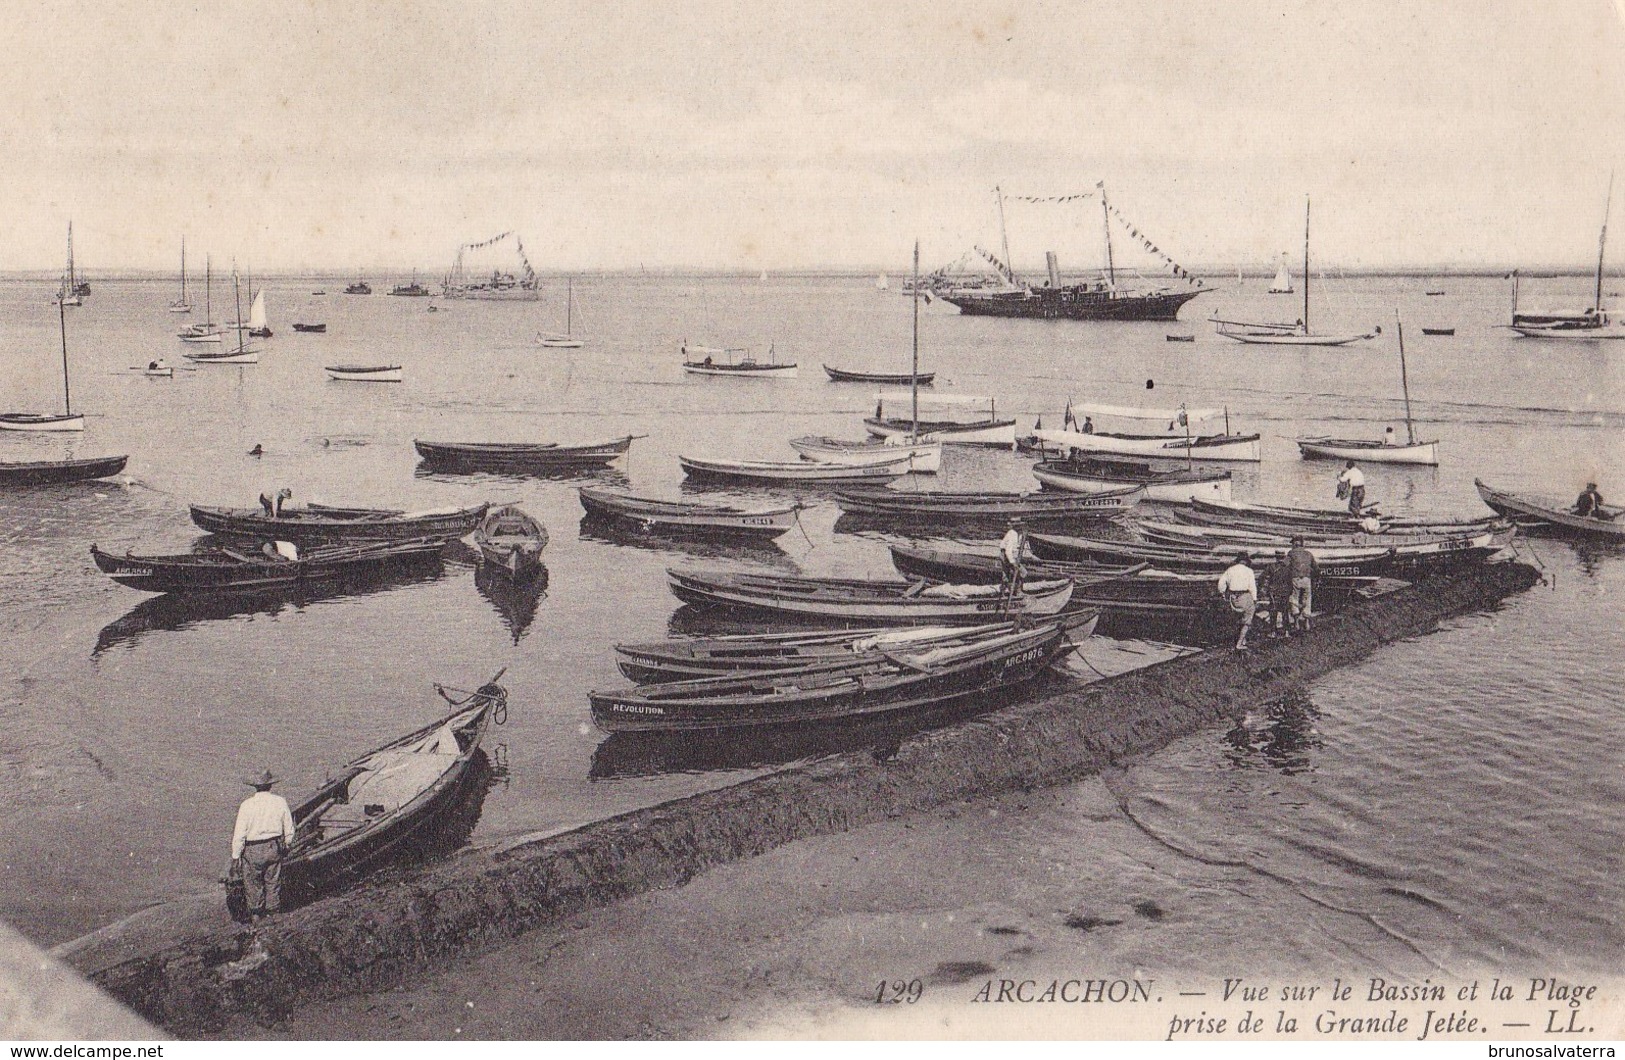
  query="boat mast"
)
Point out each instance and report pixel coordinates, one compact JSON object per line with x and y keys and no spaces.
{"x":1306,"y":264}
{"x":183,"y":269}
{"x":914,"y":375}
{"x":208,"y":291}
{"x":1602,"y":240}
{"x":73,"y":281}
{"x":1404,"y":381}
{"x":569,"y":300}
{"x":1004,"y":238}
{"x":62,"y":322}
{"x":237,"y":294}
{"x":1106,"y":220}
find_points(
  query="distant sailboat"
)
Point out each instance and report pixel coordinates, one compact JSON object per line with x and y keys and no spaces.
{"x":34,"y":421}
{"x":67,"y":292}
{"x":1295,"y":334}
{"x":257,"y":326}
{"x":181,"y":305}
{"x":1282,"y":284}
{"x":208,"y":330}
{"x":80,"y":288}
{"x":881,"y":283}
{"x":242,"y":354}
{"x":1590,"y":324}
{"x":1385,"y":450}
{"x":566,"y":341}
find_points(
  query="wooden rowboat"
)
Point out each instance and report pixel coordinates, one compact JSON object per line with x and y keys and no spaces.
{"x":1243,"y":447}
{"x":462,"y":457}
{"x":989,"y":508}
{"x":52,"y":472}
{"x":311,"y":329}
{"x":841,"y":375}
{"x":1370,"y":451}
{"x":1175,"y":485}
{"x":323,"y":523}
{"x":37,"y":421}
{"x":384,"y":804}
{"x":511,"y":542}
{"x":925,"y":458}
{"x":794,"y":471}
{"x":227,"y":570}
{"x":862,"y":600}
{"x":1543,"y":513}
{"x":674,"y":517}
{"x":686,"y":658}
{"x":365,"y":373}
{"x":888,"y":682}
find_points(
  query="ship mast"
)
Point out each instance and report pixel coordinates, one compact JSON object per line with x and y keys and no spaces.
{"x":1306,"y":265}
{"x":1404,"y":382}
{"x":1106,"y":219}
{"x":914,"y":375}
{"x":1004,"y":239}
{"x":62,"y":322}
{"x":1602,"y":240}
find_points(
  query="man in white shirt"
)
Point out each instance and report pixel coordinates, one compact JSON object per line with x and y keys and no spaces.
{"x":1010,"y":547}
{"x":1352,"y":479}
{"x":259,"y":842}
{"x":1239,"y":587}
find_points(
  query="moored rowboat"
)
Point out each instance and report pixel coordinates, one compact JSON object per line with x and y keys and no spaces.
{"x":319,"y":523}
{"x":52,"y":472}
{"x":674,"y":517}
{"x":862,"y":600}
{"x":841,"y":375}
{"x":511,"y":541}
{"x":520,"y":456}
{"x":925,"y":458}
{"x":1372,"y":451}
{"x":1195,"y":447}
{"x":365,"y":373}
{"x":794,"y":471}
{"x":989,"y":508}
{"x":1175,"y":485}
{"x":228,"y":570}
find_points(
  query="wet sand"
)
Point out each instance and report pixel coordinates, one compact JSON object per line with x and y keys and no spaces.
{"x":1059,"y":883}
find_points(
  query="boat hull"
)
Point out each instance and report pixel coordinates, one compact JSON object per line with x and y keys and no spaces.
{"x":741,"y":371}
{"x":511,"y":542}
{"x":222,"y":571}
{"x":1373,"y":452}
{"x":238,"y":357}
{"x":996,"y":510}
{"x":924,"y":458}
{"x":1001,"y":433}
{"x":338,"y":524}
{"x":384,"y":373}
{"x":519,"y":457}
{"x":28,"y":421}
{"x":1553,"y":519}
{"x":838,"y":600}
{"x":674,"y":518}
{"x":840,"y":375}
{"x":53,"y":472}
{"x":802,"y":472}
{"x":1075,"y":302}
{"x":1234,"y":447}
{"x":1288,"y":338}
{"x":1174,"y":488}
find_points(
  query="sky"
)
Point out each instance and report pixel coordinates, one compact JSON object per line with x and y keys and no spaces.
{"x":763,"y":135}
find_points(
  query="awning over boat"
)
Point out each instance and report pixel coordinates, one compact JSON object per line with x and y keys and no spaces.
{"x":1129,"y":412}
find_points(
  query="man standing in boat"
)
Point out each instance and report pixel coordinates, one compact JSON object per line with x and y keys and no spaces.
{"x":1239,"y":587}
{"x":1352,"y":482}
{"x":1010,"y":548}
{"x":1589,"y":503}
{"x":259,"y":842}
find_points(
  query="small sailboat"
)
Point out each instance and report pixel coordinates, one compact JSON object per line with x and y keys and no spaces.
{"x":1297,"y":333}
{"x":882,"y":283}
{"x":79,"y":288}
{"x":208,"y":330}
{"x":1588,"y":325}
{"x":67,"y":291}
{"x":181,"y":305}
{"x":242,"y":354}
{"x":1384,"y":450}
{"x":35,"y":421}
{"x":1282,"y":284}
{"x":566,"y":341}
{"x":258,"y":328}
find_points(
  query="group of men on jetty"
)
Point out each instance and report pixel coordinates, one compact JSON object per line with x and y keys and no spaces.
{"x":1291,"y":585}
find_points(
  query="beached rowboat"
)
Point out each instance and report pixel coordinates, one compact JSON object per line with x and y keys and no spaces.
{"x":674,"y":517}
{"x":883,"y":682}
{"x":863,"y":600}
{"x":382,"y":804}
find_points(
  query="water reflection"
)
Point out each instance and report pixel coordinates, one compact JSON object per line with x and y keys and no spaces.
{"x":177,"y":611}
{"x":515,"y":602}
{"x":1283,"y":737}
{"x":754,"y":549}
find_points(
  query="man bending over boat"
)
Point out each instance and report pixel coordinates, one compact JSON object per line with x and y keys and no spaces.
{"x":1239,"y":587}
{"x":1352,"y":482}
{"x":1010,"y":547}
{"x":259,"y":842}
{"x":1589,"y":504}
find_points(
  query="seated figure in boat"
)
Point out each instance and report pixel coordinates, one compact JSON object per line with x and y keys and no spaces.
{"x":1589,"y":503}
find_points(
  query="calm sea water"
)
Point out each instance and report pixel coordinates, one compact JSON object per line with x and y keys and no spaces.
{"x":1464,"y":787}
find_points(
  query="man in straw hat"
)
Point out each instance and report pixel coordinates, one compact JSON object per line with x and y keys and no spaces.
{"x":259,"y":843}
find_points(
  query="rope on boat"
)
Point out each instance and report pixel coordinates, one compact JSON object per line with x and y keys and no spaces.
{"x":1550,"y":577}
{"x":490,"y":692}
{"x":796,"y":516}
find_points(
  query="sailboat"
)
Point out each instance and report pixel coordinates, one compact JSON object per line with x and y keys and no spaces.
{"x":1382,"y":451}
{"x":67,"y":291}
{"x":181,"y":305}
{"x":35,"y":421}
{"x":566,"y":341}
{"x":242,"y":354}
{"x":1294,"y":334}
{"x":1588,"y":325}
{"x":208,"y":330}
{"x":1282,"y":284}
{"x":79,"y":288}
{"x":881,"y":283}
{"x":257,"y":326}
